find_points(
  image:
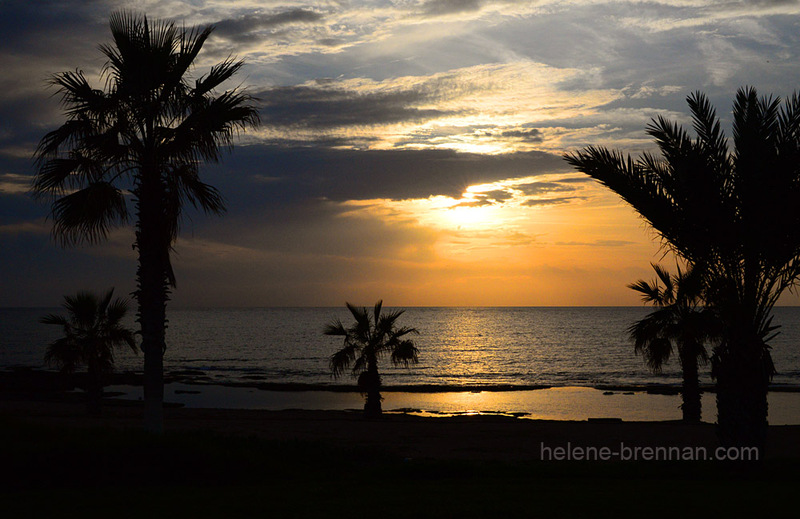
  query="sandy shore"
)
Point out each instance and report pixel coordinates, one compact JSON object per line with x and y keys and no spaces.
{"x":33,"y":397}
{"x":463,"y":437}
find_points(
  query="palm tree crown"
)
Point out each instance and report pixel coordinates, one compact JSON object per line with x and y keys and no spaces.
{"x":151,"y":121}
{"x":370,"y":337}
{"x":92,"y":329}
{"x":146,"y":134}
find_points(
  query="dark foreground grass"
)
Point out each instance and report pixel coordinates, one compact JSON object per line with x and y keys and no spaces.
{"x":71,"y":472}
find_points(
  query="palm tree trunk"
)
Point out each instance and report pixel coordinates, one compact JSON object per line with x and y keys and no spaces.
{"x":742,"y":406}
{"x":152,"y":295}
{"x":372,"y":406}
{"x":94,"y":390}
{"x":691,"y":407}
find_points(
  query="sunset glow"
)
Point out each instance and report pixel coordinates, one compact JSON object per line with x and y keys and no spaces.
{"x":410,"y":151}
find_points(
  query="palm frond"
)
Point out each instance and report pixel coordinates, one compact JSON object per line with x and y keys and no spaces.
{"x":58,"y":320}
{"x":707,"y":126}
{"x":87,"y":215}
{"x":218,"y":74}
{"x":335,"y":328}
{"x":183,"y":181}
{"x":405,"y":353}
{"x":341,"y":360}
{"x":376,"y":312}
{"x":363,"y":326}
{"x":650,"y":293}
{"x":636,"y":185}
{"x":666,"y":279}
{"x":64,"y":354}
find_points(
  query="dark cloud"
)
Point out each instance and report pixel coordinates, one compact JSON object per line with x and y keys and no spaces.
{"x":480,"y":202}
{"x":539,"y":188}
{"x":324,"y":108}
{"x":531,"y":135}
{"x":576,"y":180}
{"x":38,"y":40}
{"x":550,"y":201}
{"x":248,"y":28}
{"x":497,"y":195}
{"x":440,"y":7}
{"x":487,"y":198}
{"x":597,"y":243}
{"x":53,"y":26}
{"x":771,"y":3}
{"x":42,"y":271}
{"x":339,"y":175}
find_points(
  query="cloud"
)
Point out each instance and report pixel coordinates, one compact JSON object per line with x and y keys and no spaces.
{"x":540,"y":188}
{"x":325,"y":108}
{"x":597,"y":243}
{"x":487,"y":108}
{"x":480,"y":199}
{"x":25,"y":227}
{"x":527,"y":135}
{"x":14,"y":183}
{"x":440,"y":7}
{"x":539,"y":202}
{"x":344,"y":174}
{"x":256,"y":26}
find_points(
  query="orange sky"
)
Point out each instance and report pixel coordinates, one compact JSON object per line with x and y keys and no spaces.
{"x":410,"y":151}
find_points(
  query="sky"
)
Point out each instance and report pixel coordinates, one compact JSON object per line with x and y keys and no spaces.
{"x":410,"y":150}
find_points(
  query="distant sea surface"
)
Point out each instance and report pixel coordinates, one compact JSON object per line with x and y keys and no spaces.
{"x":458,"y":346}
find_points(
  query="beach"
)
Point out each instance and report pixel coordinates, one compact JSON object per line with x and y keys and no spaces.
{"x":311,"y":463}
{"x":49,"y":399}
{"x":479,"y":437}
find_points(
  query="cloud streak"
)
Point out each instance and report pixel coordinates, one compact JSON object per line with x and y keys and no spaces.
{"x":258,"y":26}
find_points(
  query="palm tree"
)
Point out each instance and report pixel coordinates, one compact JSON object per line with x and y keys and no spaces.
{"x":92,"y":329}
{"x":736,"y":215}
{"x":679,"y":322}
{"x":146,"y":134}
{"x":365,"y":341}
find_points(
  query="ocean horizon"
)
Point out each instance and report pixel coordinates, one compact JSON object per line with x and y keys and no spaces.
{"x":459,"y":346}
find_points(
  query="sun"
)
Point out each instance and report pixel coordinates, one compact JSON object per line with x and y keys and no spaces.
{"x":469,"y":217}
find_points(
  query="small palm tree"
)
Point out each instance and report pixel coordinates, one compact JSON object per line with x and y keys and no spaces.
{"x":678,"y":322}
{"x":365,"y":341}
{"x":92,"y":329}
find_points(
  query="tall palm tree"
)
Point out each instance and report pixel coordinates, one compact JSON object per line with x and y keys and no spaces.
{"x":92,"y":329}
{"x":734,"y":213}
{"x":679,"y":322}
{"x":146,"y":134}
{"x":365,"y":341}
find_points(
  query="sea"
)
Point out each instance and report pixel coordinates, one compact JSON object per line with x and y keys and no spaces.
{"x":568,"y":348}
{"x":554,"y":346}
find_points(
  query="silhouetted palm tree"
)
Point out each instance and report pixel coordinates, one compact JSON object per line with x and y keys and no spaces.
{"x":679,"y":322}
{"x":735,"y":214}
{"x":92,"y":329}
{"x":147,"y":133}
{"x":369,"y":338}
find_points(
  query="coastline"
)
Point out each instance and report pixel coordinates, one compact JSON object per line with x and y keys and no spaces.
{"x":560,"y":403}
{"x":33,"y":377}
